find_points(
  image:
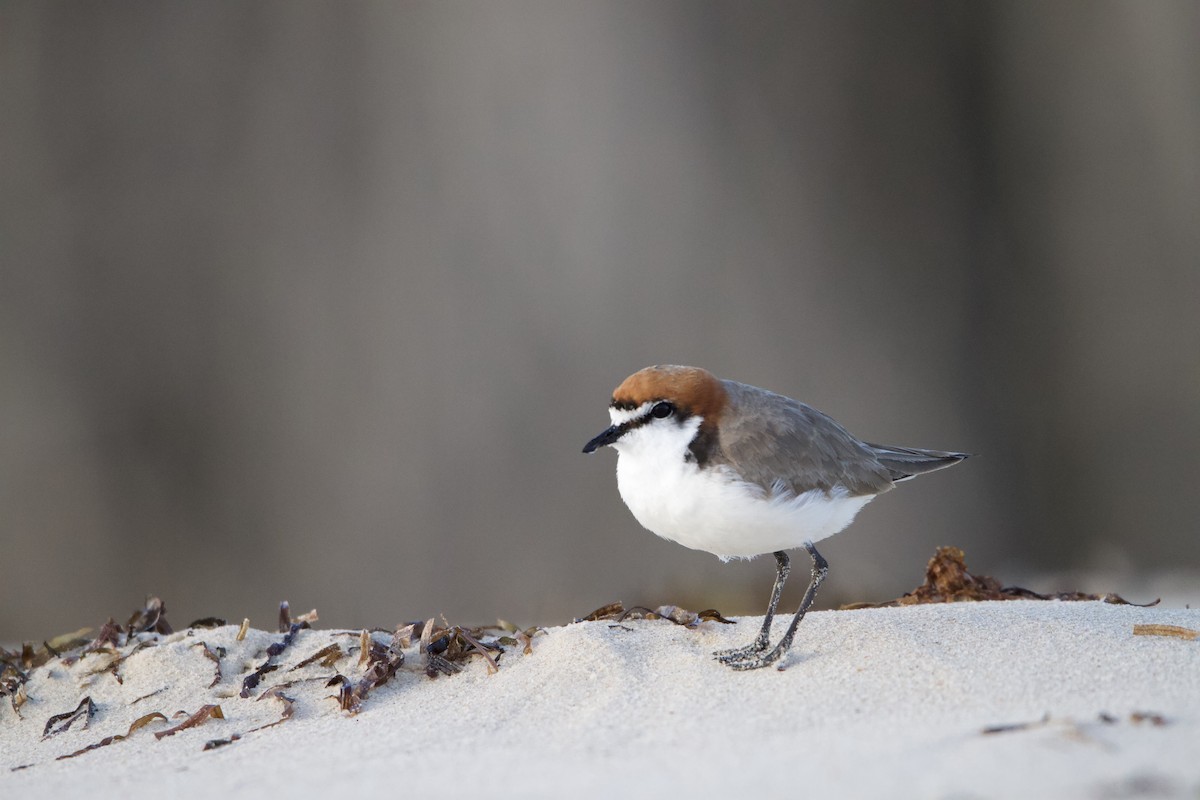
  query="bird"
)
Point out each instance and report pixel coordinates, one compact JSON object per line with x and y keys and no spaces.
{"x":739,"y":471}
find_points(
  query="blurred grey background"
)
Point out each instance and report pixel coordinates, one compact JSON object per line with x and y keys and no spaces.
{"x":320,"y":301}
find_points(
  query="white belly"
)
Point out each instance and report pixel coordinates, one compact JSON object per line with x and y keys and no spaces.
{"x":711,"y":510}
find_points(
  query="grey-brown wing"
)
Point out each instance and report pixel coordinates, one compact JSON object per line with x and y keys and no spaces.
{"x":908,"y":462}
{"x":775,"y":438}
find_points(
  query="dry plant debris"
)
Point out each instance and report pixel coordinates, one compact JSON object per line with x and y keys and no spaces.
{"x":1178,"y":631}
{"x":96,"y":655}
{"x":382,"y":662}
{"x":617,"y":612}
{"x":214,"y":656}
{"x":61,"y":722}
{"x":447,"y":648}
{"x":151,"y":618}
{"x":1017,"y":726}
{"x":1155,"y":719}
{"x":208,"y":622}
{"x":947,"y":580}
{"x":328,"y":656}
{"x":213,"y":744}
{"x":289,"y":707}
{"x":206,"y":712}
{"x":107,"y":740}
{"x":1074,"y":727}
{"x":518,"y":638}
{"x":290,"y":629}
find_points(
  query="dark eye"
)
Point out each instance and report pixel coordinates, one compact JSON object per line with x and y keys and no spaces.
{"x":662,"y":410}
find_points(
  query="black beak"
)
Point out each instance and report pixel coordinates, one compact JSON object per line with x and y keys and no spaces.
{"x":608,"y":437}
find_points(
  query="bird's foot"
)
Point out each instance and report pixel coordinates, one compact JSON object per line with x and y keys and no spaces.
{"x":741,"y":653}
{"x":749,"y":658}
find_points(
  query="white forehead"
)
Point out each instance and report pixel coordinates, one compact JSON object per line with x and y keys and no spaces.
{"x":619,"y":416}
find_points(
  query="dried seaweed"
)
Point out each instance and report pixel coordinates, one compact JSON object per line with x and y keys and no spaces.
{"x":293,"y":628}
{"x":107,"y":740}
{"x":289,"y":707}
{"x":616,"y":612}
{"x":205,"y":713}
{"x":1019,"y":593}
{"x":947,"y":580}
{"x":482,"y":650}
{"x":215,"y":656}
{"x":520,"y":638}
{"x":152,"y":618}
{"x":115,"y":667}
{"x":712,"y":615}
{"x":69,"y":641}
{"x":402,"y":637}
{"x":1017,"y":726}
{"x":16,"y":665}
{"x":213,"y":744}
{"x":328,"y":656}
{"x":1155,"y":719}
{"x":102,"y":661}
{"x":446,"y":648}
{"x":72,"y":648}
{"x":148,"y":696}
{"x":680,"y":616}
{"x":108,"y":658}
{"x":1076,"y":729}
{"x":286,"y":642}
{"x":250,"y":683}
{"x":61,"y":722}
{"x":433,"y":648}
{"x":276,"y":692}
{"x":345,"y":690}
{"x":17,"y":694}
{"x":10,"y":658}
{"x":525,"y":638}
{"x":12,"y":680}
{"x":364,"y":647}
{"x":611,"y":611}
{"x":382,"y":663}
{"x":208,"y":622}
{"x":1177,"y":631}
{"x":285,"y":617}
{"x":108,"y":638}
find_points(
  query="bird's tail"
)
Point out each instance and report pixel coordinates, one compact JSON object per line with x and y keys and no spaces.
{"x":908,"y":462}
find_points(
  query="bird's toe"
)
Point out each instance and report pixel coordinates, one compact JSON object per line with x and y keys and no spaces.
{"x":748,"y":658}
{"x":739,"y":653}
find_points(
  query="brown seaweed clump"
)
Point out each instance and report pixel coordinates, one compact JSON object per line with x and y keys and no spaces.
{"x":947,"y":580}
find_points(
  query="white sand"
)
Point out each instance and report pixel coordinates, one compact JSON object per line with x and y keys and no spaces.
{"x":878,"y":703}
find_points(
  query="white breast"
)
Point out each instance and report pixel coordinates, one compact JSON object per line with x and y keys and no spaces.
{"x":711,"y":509}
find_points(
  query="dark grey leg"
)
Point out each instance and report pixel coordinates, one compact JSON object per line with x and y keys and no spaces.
{"x":755,"y":660}
{"x":782,"y":568}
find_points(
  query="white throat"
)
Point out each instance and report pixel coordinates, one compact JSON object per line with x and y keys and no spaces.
{"x":656,"y":439}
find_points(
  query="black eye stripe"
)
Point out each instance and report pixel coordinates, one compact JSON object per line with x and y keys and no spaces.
{"x":651,"y":416}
